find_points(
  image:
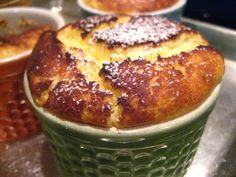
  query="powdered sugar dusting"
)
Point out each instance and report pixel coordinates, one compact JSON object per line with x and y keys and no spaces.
{"x":88,"y":24}
{"x":139,"y":30}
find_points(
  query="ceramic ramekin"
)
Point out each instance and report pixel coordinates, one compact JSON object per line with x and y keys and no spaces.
{"x":165,"y":149}
{"x":39,"y":15}
{"x":16,"y":118}
{"x":174,"y":12}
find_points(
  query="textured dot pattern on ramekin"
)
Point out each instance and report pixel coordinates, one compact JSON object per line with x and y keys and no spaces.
{"x":168,"y":156}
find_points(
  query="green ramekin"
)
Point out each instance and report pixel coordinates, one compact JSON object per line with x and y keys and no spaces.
{"x":174,"y":12}
{"x":164,"y":149}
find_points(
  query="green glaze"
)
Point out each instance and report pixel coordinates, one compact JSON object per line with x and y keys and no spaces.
{"x":165,"y":150}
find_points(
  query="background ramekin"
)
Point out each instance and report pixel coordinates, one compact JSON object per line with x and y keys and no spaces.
{"x":16,"y":118}
{"x":165,"y":149}
{"x":39,"y":15}
{"x":174,"y":12}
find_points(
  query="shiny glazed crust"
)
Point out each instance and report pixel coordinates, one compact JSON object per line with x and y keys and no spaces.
{"x":123,"y":72}
{"x":11,"y":45}
{"x":130,"y":6}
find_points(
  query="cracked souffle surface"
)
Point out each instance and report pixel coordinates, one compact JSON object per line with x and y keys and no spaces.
{"x":122,"y":71}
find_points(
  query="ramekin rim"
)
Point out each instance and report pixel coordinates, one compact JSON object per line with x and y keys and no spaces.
{"x":58,"y":19}
{"x":178,"y":5}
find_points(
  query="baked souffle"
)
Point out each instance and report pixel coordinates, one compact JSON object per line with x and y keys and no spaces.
{"x":123,"y":71}
{"x":129,"y":6}
{"x":16,"y":41}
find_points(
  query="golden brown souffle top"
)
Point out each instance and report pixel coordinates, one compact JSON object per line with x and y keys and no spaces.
{"x":130,"y":6}
{"x":14,"y":44}
{"x":123,"y":72}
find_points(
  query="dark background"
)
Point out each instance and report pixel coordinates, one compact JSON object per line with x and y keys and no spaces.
{"x":220,"y":12}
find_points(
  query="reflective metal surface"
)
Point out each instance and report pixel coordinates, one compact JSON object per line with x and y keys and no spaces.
{"x":220,"y":133}
{"x":216,"y":155}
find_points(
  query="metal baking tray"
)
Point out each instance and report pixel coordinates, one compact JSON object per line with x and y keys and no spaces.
{"x":216,"y":155}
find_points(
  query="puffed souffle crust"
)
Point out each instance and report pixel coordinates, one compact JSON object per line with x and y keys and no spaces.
{"x":130,"y":6}
{"x":123,"y":71}
{"x":11,"y":45}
